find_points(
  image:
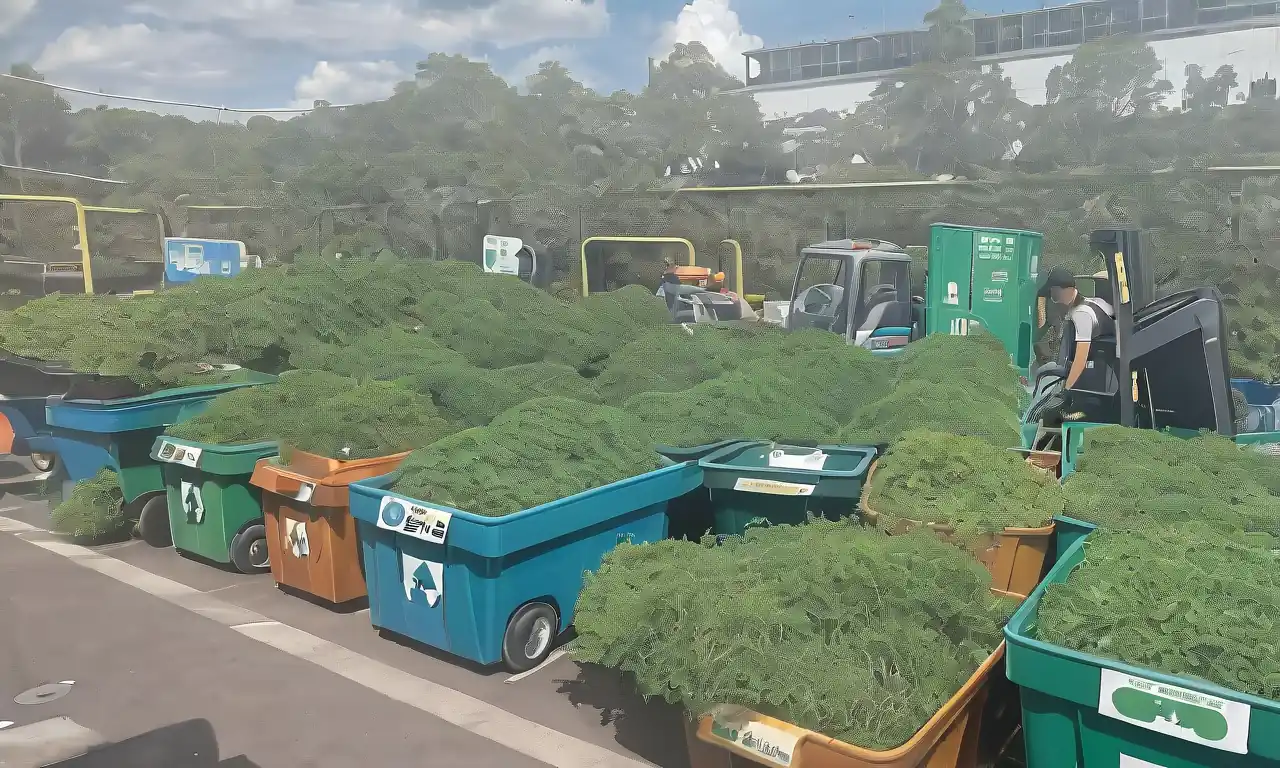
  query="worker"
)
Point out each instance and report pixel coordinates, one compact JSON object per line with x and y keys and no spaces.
{"x":1086,"y":320}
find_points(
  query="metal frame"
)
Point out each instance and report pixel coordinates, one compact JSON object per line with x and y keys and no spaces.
{"x":586,"y":290}
{"x":81,"y":229}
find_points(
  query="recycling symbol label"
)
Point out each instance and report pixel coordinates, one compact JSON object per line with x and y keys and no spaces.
{"x":422,"y":577}
{"x":296,"y":536}
{"x":192,"y":502}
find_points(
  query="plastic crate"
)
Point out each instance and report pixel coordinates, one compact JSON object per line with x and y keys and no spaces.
{"x":458,"y":581}
{"x":1083,"y":711}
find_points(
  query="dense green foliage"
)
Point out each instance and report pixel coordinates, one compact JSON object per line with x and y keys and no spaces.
{"x":537,"y":452}
{"x":321,"y":413}
{"x":973,"y":487}
{"x":835,"y":628}
{"x":94,"y":509}
{"x":1142,"y":481}
{"x":1188,"y":601}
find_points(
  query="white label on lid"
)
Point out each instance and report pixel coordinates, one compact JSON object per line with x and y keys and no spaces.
{"x":1178,"y":712}
{"x":304,"y":492}
{"x":772,"y":487}
{"x":413,"y":520}
{"x":1133,"y":762}
{"x":814,"y":460}
{"x":179,"y":454}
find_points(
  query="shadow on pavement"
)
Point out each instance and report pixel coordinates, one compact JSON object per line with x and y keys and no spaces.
{"x":189,"y":744}
{"x":652,"y":729}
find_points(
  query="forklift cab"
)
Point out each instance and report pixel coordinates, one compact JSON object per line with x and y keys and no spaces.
{"x":860,"y":289}
{"x":1164,"y":368}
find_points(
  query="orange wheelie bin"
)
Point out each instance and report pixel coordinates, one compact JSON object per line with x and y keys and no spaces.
{"x":311,"y":536}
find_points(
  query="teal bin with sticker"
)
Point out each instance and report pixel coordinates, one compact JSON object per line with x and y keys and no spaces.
{"x":1084,"y":711}
{"x":499,"y":589}
{"x":760,"y":483}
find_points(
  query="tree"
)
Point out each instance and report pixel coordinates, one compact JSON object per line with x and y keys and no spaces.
{"x":1215,"y":91}
{"x":34,"y":123}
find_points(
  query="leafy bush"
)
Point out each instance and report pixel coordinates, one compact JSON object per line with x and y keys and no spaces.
{"x":95,"y":508}
{"x":668,"y":359}
{"x":979,"y":361}
{"x":956,"y":407}
{"x":1138,"y":480}
{"x":321,"y":413}
{"x":835,"y":628}
{"x":976,"y":488}
{"x":1191,"y":602}
{"x":539,"y":451}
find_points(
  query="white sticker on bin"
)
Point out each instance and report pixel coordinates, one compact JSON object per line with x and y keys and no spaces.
{"x":814,"y":461}
{"x":1133,"y":762}
{"x":179,"y":454}
{"x":772,"y":487}
{"x":413,"y":520}
{"x":304,"y":492}
{"x":1178,"y":712}
{"x":766,"y":743}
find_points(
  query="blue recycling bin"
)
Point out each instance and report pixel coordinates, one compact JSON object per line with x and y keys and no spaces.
{"x":499,"y":589}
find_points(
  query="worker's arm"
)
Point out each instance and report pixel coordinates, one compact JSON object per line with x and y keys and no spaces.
{"x":1079,"y":361}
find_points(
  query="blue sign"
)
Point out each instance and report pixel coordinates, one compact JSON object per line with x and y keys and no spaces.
{"x":186,"y":258}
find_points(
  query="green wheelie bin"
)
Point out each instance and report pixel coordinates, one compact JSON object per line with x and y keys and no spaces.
{"x":214,"y":513}
{"x":761,"y":483}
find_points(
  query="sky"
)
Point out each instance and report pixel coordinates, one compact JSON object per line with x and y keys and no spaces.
{"x":287,"y":53}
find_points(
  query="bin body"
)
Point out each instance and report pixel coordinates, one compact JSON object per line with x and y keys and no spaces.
{"x":311,"y":537}
{"x":208,"y":494}
{"x":1069,"y":722}
{"x":455,"y":583}
{"x":746,"y":490}
{"x":88,"y":435}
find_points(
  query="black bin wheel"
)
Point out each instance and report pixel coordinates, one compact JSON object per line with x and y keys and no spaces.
{"x":530,"y":636}
{"x":153,"y":522}
{"x":249,"y":550}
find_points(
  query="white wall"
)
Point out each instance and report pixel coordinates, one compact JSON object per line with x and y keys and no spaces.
{"x":1253,"y":53}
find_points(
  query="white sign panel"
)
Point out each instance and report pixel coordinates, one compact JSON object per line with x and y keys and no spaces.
{"x":179,"y":454}
{"x":766,"y":743}
{"x":813,"y":461}
{"x":192,"y":502}
{"x":422,"y":576}
{"x":502,"y":255}
{"x":413,"y":520}
{"x":772,"y":487}
{"x":1133,"y":762}
{"x":1178,"y":712}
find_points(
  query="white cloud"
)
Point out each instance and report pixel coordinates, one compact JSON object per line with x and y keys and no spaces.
{"x":567,"y":56}
{"x":378,"y":25}
{"x":717,"y":26}
{"x":348,"y":82}
{"x":136,"y":53}
{"x":13,"y":12}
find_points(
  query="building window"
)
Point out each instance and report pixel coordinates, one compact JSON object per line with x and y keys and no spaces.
{"x":780,"y":67}
{"x":810,"y":62}
{"x":1034,"y":30}
{"x":1154,"y":15}
{"x":986,"y":37}
{"x":1066,"y":27}
{"x":830,"y":59}
{"x":1011,"y":33}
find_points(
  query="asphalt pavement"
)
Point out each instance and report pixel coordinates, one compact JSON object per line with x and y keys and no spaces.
{"x":149,"y":658}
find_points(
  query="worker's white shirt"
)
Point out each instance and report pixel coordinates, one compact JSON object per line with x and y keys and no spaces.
{"x":1083,"y":321}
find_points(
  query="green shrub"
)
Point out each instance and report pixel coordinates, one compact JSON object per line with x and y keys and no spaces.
{"x":832,"y":627}
{"x":957,"y":407}
{"x":95,"y":508}
{"x":1189,"y":601}
{"x":537,"y":452}
{"x":1140,"y":480}
{"x":976,"y":488}
{"x":321,"y":413}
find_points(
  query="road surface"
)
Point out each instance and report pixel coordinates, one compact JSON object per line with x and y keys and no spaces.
{"x":170,"y":662}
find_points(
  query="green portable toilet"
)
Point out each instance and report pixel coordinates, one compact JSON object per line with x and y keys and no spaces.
{"x":985,"y":276}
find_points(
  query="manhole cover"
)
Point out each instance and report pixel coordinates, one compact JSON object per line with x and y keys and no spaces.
{"x":43,"y":694}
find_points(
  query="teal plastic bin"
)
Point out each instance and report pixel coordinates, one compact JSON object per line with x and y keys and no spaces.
{"x":760,"y":483}
{"x":493,"y":589}
{"x":1083,"y":711}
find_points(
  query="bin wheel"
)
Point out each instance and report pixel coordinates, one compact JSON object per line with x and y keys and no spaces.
{"x":153,"y":522}
{"x":43,"y":461}
{"x":249,"y":550}
{"x":529,"y":637}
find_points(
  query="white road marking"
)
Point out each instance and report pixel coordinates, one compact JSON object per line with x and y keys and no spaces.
{"x":479,"y":717}
{"x":46,"y":742}
{"x":8,"y":525}
{"x":551,"y":659}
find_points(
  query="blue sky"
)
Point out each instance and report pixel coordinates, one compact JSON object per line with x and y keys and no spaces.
{"x":261,"y":53}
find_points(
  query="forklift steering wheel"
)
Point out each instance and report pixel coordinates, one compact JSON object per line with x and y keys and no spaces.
{"x":816,"y":309}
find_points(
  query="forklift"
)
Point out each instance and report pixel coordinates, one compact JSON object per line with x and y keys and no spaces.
{"x":1165,"y":368}
{"x":977,"y":280}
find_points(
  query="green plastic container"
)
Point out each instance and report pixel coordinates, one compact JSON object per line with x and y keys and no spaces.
{"x":212,"y":506}
{"x":750,"y":485}
{"x":1083,"y":711}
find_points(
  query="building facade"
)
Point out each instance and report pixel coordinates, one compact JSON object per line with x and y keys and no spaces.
{"x":835,"y":75}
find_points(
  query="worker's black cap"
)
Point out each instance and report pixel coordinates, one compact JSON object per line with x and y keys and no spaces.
{"x":1059,"y":277}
